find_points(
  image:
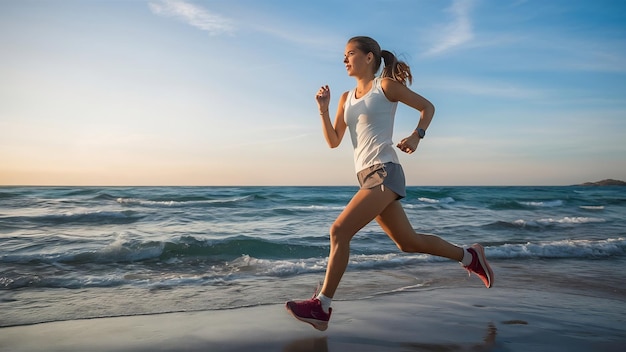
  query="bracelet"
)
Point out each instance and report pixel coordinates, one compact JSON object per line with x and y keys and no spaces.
{"x":323,"y":112}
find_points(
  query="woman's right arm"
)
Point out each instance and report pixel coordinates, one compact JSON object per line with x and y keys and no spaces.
{"x":332,"y":133}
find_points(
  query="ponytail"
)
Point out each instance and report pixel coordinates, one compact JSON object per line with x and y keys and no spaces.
{"x":396,"y":70}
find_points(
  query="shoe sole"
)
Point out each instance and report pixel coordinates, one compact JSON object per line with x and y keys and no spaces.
{"x":317,"y":324}
{"x":483,"y":262}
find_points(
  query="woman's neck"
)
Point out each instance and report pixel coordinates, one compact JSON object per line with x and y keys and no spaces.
{"x":364,"y":85}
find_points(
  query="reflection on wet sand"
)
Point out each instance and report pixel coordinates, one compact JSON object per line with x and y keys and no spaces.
{"x":320,"y":344}
{"x":487,"y":344}
{"x":314,"y":344}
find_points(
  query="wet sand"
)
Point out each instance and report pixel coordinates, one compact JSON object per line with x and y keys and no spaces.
{"x":472,"y":319}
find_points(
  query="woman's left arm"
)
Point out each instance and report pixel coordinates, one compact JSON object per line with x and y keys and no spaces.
{"x":395,"y":91}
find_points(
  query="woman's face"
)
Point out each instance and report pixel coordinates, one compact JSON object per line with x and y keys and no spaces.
{"x":357,"y":62}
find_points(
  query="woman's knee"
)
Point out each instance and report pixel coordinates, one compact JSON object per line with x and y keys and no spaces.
{"x":339,"y":234}
{"x":408,"y":247}
{"x":414,"y":245}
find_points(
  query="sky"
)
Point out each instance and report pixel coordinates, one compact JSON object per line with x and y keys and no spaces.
{"x":221,"y":93}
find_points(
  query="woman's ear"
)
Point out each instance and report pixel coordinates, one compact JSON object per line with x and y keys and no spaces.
{"x":370,"y":57}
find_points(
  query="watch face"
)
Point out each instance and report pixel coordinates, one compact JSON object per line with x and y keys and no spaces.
{"x":421,"y":132}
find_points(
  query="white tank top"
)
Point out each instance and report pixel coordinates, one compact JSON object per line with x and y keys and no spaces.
{"x":370,"y":121}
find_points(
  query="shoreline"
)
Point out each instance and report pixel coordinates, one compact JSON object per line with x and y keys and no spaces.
{"x":426,"y":320}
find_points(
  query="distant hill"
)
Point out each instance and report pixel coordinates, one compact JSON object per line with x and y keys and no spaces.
{"x":607,"y":182}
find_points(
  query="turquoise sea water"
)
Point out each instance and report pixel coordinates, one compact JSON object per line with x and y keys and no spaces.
{"x":83,"y":252}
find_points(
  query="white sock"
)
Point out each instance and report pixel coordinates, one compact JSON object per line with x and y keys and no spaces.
{"x":467,"y":258}
{"x":325,"y":302}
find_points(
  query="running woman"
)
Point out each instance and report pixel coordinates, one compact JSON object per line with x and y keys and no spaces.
{"x":368,"y":112}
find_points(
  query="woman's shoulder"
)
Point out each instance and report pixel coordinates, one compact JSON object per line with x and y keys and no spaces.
{"x":391,"y":88}
{"x":387,"y":81}
{"x":343,"y":99}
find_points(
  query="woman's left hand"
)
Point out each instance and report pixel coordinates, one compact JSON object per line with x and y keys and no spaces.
{"x":409,"y":144}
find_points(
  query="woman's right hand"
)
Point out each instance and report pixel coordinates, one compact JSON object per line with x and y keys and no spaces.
{"x":323,"y":98}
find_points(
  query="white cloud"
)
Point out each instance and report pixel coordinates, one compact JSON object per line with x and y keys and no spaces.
{"x":459,"y":31}
{"x":193,"y":15}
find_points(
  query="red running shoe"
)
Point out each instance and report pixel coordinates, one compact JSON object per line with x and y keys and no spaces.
{"x":310,"y":311}
{"x":479,"y":265}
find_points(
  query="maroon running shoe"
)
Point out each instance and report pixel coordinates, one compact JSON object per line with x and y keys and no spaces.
{"x":310,"y":311}
{"x":479,"y":265}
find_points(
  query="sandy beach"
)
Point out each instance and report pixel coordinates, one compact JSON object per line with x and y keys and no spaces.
{"x":437,"y":320}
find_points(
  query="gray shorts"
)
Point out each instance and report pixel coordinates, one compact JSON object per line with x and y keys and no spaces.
{"x":389,"y":174}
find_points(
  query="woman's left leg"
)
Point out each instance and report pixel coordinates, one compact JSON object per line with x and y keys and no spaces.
{"x":396,"y":225}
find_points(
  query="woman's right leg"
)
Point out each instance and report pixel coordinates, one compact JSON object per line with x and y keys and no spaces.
{"x":364,"y":207}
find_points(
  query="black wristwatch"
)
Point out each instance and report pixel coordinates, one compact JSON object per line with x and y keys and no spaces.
{"x":420,"y":132}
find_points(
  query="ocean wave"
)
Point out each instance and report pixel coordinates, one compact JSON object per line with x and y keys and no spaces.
{"x":15,"y":280}
{"x":103,"y":196}
{"x":506,"y":205}
{"x":542,"y":223}
{"x":8,"y":195}
{"x":189,"y":249}
{"x":425,"y":203}
{"x":581,"y":249}
{"x":592,"y":207}
{"x":444,"y":200}
{"x":93,"y":218}
{"x":184,"y":202}
{"x":125,"y":250}
{"x":250,"y":265}
{"x":234,"y":247}
{"x":317,"y":208}
{"x":119,"y":251}
{"x":576,"y":220}
{"x":72,"y":192}
{"x":56,"y":250}
{"x":194,"y":266}
{"x":521,"y":205}
{"x":546,"y":204}
{"x":570,"y":220}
